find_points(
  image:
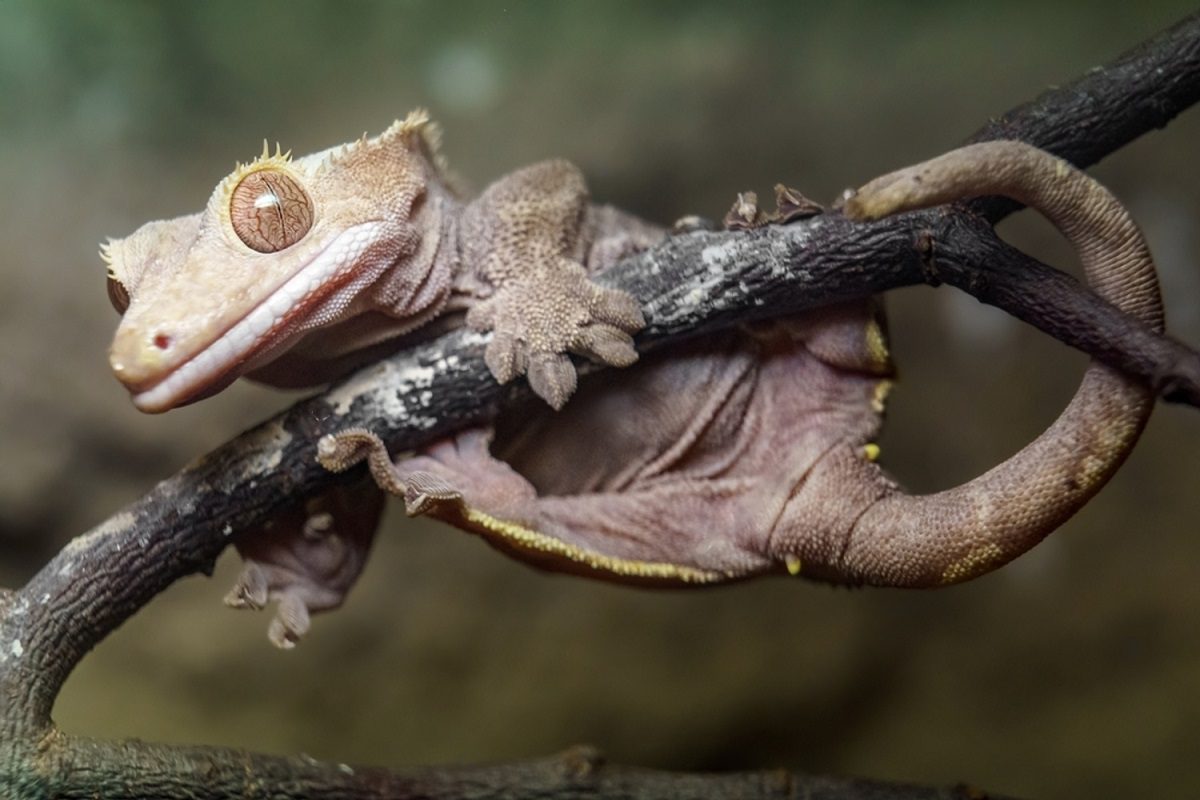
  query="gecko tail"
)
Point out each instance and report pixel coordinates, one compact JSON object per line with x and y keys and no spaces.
{"x":954,"y":535}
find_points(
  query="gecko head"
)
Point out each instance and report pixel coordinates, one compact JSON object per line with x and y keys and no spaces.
{"x":283,"y":247}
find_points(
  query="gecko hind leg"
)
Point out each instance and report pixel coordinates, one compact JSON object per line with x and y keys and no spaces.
{"x":307,"y":558}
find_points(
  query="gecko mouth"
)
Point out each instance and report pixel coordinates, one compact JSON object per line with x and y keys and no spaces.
{"x":263,"y":327}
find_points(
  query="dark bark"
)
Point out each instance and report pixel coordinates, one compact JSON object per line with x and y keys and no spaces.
{"x":82,"y":769}
{"x":693,"y":283}
{"x":1154,"y":82}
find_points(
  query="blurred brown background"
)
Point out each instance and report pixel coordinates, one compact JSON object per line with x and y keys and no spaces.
{"x":1074,"y":672}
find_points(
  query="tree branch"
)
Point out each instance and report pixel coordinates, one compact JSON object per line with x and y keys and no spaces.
{"x":84,"y":769}
{"x":1106,"y":108}
{"x":695,"y":283}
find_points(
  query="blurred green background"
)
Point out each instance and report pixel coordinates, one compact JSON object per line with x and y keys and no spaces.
{"x":1074,"y":672}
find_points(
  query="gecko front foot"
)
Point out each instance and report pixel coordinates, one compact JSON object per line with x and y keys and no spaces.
{"x":535,"y":325}
{"x":530,"y":237}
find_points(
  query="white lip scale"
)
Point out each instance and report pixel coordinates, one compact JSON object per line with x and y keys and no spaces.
{"x":251,"y":330}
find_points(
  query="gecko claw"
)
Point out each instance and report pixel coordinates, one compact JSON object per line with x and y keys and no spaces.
{"x":338,"y":452}
{"x":250,"y":591}
{"x":745,"y":214}
{"x":290,"y":623}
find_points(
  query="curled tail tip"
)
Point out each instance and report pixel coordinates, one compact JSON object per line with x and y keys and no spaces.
{"x":882,"y":197}
{"x":948,"y":177}
{"x":855,"y":206}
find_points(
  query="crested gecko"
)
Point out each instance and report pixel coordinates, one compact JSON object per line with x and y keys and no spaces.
{"x":732,"y":455}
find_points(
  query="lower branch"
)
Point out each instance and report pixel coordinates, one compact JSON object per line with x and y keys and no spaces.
{"x":67,"y":768}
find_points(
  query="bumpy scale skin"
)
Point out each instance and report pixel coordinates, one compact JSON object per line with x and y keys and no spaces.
{"x":752,"y":453}
{"x":300,"y":269}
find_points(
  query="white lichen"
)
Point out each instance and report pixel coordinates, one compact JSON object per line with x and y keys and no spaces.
{"x":718,"y":257}
{"x":265,"y":448}
{"x":116,"y":524}
{"x":391,"y":387}
{"x":19,"y":609}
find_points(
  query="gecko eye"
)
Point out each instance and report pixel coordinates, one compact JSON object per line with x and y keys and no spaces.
{"x":270,"y":211}
{"x":118,"y":295}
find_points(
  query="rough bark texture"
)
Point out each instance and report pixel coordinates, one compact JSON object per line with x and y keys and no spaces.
{"x":693,"y":283}
{"x":1079,"y":121}
{"x":68,"y":771}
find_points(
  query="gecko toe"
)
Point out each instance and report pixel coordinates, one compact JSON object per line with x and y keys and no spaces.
{"x":290,"y":624}
{"x":618,"y":309}
{"x":482,"y":315}
{"x":607,"y":344}
{"x":552,"y":377}
{"x":534,"y":326}
{"x":250,"y":591}
{"x":504,"y":356}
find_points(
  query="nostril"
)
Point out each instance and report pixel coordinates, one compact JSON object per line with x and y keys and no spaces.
{"x":162,"y":341}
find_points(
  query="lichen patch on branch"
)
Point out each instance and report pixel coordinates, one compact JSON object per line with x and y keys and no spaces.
{"x":264,"y":447}
{"x":116,"y":524}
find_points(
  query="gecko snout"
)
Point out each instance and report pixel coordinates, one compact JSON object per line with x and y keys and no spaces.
{"x":139,"y":358}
